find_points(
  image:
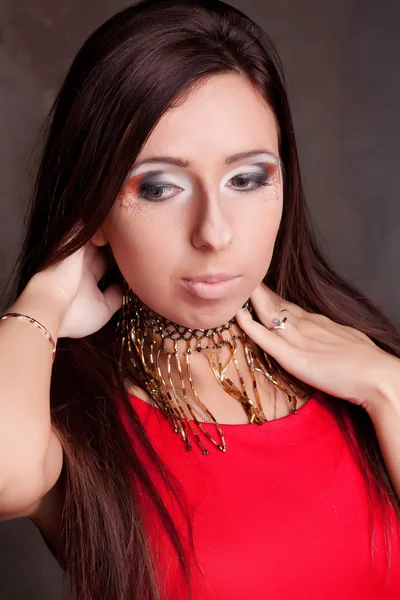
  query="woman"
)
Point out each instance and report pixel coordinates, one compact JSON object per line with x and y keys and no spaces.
{"x":266,"y":462}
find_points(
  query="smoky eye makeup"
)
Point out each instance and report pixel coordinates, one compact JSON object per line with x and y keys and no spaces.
{"x":154,"y":185}
{"x":252,"y":177}
{"x":263,"y":172}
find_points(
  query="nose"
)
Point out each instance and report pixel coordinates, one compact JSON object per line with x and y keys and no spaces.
{"x":213,"y":229}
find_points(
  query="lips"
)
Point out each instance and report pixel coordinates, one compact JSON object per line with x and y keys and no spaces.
{"x":211,"y":287}
{"x":211,"y":278}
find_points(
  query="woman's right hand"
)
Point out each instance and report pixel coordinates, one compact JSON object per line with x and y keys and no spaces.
{"x":73,"y":284}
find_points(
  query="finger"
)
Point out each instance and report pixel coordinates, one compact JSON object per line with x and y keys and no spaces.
{"x":263,"y":295}
{"x":270,"y":304}
{"x":267,"y":340}
{"x":292,"y":359}
{"x":292,"y":332}
{"x":295,"y":331}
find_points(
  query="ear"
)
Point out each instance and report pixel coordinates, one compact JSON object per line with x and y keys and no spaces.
{"x":99,"y":238}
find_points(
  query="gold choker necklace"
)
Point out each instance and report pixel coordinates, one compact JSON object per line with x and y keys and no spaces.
{"x":139,"y":331}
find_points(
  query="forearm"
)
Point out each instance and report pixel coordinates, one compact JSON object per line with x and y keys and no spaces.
{"x":25,"y":372}
{"x":384,"y":410}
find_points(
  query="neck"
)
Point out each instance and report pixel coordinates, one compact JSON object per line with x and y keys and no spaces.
{"x":180,"y":368}
{"x":168,"y":344}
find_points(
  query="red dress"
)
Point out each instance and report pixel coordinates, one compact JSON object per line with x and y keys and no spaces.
{"x":281,"y":515}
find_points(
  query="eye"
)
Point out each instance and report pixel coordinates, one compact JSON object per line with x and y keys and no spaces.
{"x":155,"y":192}
{"x":247,"y":182}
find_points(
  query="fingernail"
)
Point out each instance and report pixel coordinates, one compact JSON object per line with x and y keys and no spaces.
{"x":244,"y":307}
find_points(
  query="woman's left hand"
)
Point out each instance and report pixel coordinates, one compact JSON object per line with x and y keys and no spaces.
{"x":336,"y":359}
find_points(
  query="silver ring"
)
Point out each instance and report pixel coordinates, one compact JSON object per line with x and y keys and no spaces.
{"x":278,"y":324}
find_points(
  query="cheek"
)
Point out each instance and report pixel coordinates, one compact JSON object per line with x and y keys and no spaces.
{"x":259,"y":228}
{"x":259,"y":222}
{"x":143,"y":255}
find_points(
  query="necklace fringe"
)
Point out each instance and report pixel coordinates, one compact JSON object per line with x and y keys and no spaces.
{"x":137,"y":332}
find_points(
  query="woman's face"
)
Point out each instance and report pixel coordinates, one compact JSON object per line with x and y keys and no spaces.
{"x":203,"y":198}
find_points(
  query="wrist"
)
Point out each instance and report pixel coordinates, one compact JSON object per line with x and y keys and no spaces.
{"x":386,"y":394}
{"x":38,"y":302}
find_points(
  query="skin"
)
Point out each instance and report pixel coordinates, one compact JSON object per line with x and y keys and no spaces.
{"x":218,"y":229}
{"x":336,"y":359}
{"x":206,"y":223}
{"x":213,"y":227}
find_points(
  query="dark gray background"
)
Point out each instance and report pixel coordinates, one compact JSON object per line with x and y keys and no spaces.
{"x":341,"y":59}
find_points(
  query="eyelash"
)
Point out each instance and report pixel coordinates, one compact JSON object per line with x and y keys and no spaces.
{"x":259,"y":181}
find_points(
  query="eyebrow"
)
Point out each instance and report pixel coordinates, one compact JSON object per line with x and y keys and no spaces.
{"x":181,"y":162}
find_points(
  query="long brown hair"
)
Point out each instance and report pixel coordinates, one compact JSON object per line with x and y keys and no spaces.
{"x":125,"y":77}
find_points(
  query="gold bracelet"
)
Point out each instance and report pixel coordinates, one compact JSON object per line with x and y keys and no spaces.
{"x":36,"y":324}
